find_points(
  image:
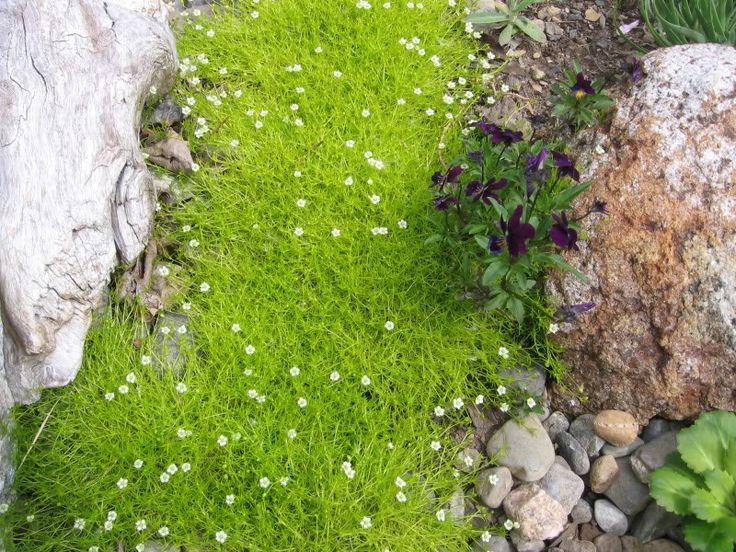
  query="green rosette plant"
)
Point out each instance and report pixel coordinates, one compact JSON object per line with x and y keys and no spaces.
{"x":507,"y":16}
{"x":698,"y":482}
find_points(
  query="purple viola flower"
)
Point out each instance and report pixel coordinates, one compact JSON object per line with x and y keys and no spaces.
{"x":535,"y":162}
{"x":485,"y":192}
{"x":443,"y":203}
{"x":476,"y":155}
{"x":496,"y":245}
{"x":498,"y":134}
{"x":582,"y":86}
{"x":636,"y":72}
{"x":517,"y":232}
{"x":561,"y":233}
{"x":565,"y":166}
{"x":452,"y":176}
{"x":483,"y":126}
{"x":570,"y":313}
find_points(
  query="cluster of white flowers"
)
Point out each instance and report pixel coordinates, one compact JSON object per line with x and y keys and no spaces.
{"x":347,"y":467}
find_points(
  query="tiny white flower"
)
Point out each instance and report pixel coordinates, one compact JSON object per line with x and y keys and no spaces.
{"x":163,"y":271}
{"x":334,"y":376}
{"x":402,"y":224}
{"x":375,"y":199}
{"x":164,"y":477}
{"x":505,"y":88}
{"x":164,"y":531}
{"x":504,"y":407}
{"x":350,"y":143}
{"x":248,"y":372}
{"x":486,"y":536}
{"x":458,"y":403}
{"x":439,"y":411}
{"x":186,"y":467}
{"x":501,"y":390}
{"x":140,"y":525}
{"x":294,"y":107}
{"x":181,"y":329}
{"x":366,"y":522}
{"x":390,"y":445}
{"x":234,"y":143}
{"x":335,"y":232}
{"x":400,"y":101}
{"x":299,"y":90}
{"x":140,"y":547}
{"x":318,"y":50}
{"x":365,"y":113}
{"x":165,"y":330}
{"x":252,"y":393}
{"x":152,"y":90}
{"x":503,"y":352}
{"x":112,"y":515}
{"x":299,"y":231}
{"x":291,"y":434}
{"x":181,"y":433}
{"x":337,"y":74}
{"x":508,"y":525}
{"x":79,"y":523}
{"x":235,"y":328}
{"x":186,"y":306}
{"x":254,"y":14}
{"x":221,"y":537}
{"x":130,"y":378}
{"x":283,"y":481}
{"x":435,"y":445}
{"x":230,"y":499}
{"x":138,"y":464}
{"x":108,"y":525}
{"x":401,"y":497}
{"x":302,"y":402}
{"x":294,"y":371}
{"x":222,"y":440}
{"x":123,"y":389}
{"x":145,"y":360}
{"x":480,"y":399}
{"x":440,"y":515}
{"x":204,"y":287}
{"x":250,"y":349}
{"x":122,"y":483}
{"x":493,"y":479}
{"x":264,"y":482}
{"x":365,"y":380}
{"x":531,"y":403}
{"x":429,"y":111}
{"x":109,"y":396}
{"x":418,"y":91}
{"x":238,"y":93}
{"x":301,"y":203}
{"x":400,"y":483}
{"x":553,"y":328}
{"x":210,"y":33}
{"x":172,"y":469}
{"x":258,"y":124}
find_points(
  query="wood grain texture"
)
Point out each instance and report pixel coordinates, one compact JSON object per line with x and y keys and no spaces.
{"x":75,"y":196}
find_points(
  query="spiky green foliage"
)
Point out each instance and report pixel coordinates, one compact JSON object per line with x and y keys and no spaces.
{"x":686,"y":21}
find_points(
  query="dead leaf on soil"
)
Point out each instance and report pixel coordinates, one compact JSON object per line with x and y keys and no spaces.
{"x":171,"y":153}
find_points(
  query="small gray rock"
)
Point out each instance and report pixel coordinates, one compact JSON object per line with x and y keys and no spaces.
{"x":631,"y":544}
{"x":627,"y":492}
{"x":609,"y":518}
{"x":553,"y":30}
{"x":608,"y":543}
{"x":618,"y":452}
{"x":563,"y":485}
{"x":582,"y":429}
{"x":525,"y":545}
{"x":492,"y":494}
{"x":574,"y":545}
{"x":555,"y":423}
{"x":167,"y":113}
{"x":527,"y":449}
{"x":652,"y":455}
{"x":662,"y":545}
{"x":655,"y":428}
{"x":530,"y":380}
{"x":494,"y":544}
{"x":581,"y":512}
{"x":573,"y":452}
{"x":653,"y":523}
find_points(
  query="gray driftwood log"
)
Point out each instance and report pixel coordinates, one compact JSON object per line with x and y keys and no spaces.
{"x":75,"y":196}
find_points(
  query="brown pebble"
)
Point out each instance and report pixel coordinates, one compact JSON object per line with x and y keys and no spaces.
{"x":602,"y":473}
{"x":615,"y":426}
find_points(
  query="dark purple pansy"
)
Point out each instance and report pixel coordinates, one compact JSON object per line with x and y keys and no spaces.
{"x":535,"y":162}
{"x":476,"y":155}
{"x":636,"y":73}
{"x":443,"y":203}
{"x":582,"y":86}
{"x":517,"y":232}
{"x":486,"y":191}
{"x":450,"y":177}
{"x":565,"y":166}
{"x":496,"y":245}
{"x":561,"y":233}
{"x":498,"y":135}
{"x":483,"y":126}
{"x":569,"y":313}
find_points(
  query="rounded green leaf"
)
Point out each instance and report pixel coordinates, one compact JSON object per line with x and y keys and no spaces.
{"x":673,"y":485}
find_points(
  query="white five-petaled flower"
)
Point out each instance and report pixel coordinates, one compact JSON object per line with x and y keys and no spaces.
{"x":298,"y":231}
{"x":264,"y":482}
{"x":250,"y":349}
{"x":349,"y":181}
{"x":402,"y":224}
{"x":365,"y":113}
{"x":400,"y":483}
{"x":401,"y":497}
{"x":140,"y":525}
{"x":230,"y":499}
{"x":138,"y":464}
{"x":172,"y":469}
{"x":553,"y":328}
{"x":221,"y":537}
{"x":130,"y":378}
{"x":301,"y":203}
{"x":79,"y":523}
{"x":487,"y":535}
{"x":302,"y":402}
{"x":204,"y":287}
{"x":122,"y":483}
{"x":366,"y":522}
{"x":294,"y":371}
{"x":504,"y":407}
{"x":164,"y":531}
{"x":108,"y":525}
{"x":375,"y":199}
{"x":531,"y":403}
{"x":335,"y":232}
{"x":186,"y":467}
{"x":123,"y":389}
{"x":235,"y":328}
{"x":365,"y":380}
{"x":479,"y":399}
{"x":389,"y":325}
{"x":440,"y":515}
{"x":439,"y":411}
{"x":291,"y":434}
{"x":334,"y":376}
{"x":112,"y":515}
{"x":458,"y":403}
{"x":109,"y":396}
{"x":222,"y":440}
{"x":283,"y":481}
{"x":435,"y":445}
{"x":350,"y":143}
{"x":145,"y":360}
{"x":164,"y":477}
{"x":503,"y":352}
{"x":400,"y":101}
{"x":337,"y":74}
{"x":493,"y":479}
{"x":501,"y":390}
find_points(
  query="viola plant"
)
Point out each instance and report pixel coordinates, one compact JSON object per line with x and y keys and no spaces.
{"x":506,"y":206}
{"x":578,"y":101}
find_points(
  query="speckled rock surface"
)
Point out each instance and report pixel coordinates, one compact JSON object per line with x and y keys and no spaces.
{"x":662,"y":266}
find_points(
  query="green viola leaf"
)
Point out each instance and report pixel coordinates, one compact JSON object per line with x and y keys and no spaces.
{"x":566,"y":196}
{"x":482,"y":241}
{"x":702,"y":537}
{"x":672,"y":486}
{"x":706,"y":507}
{"x":516,"y":308}
{"x":492,"y":273}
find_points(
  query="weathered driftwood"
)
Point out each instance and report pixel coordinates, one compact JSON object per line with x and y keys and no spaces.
{"x":75,"y":196}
